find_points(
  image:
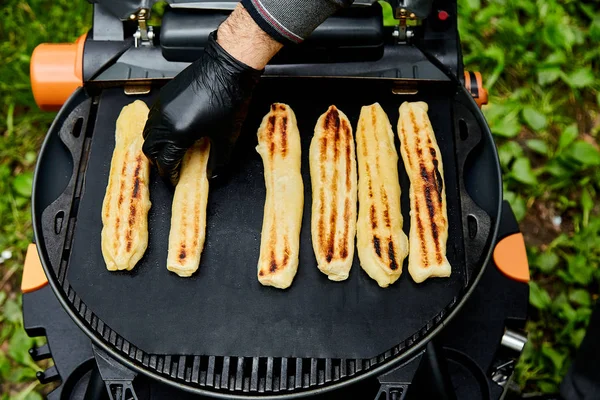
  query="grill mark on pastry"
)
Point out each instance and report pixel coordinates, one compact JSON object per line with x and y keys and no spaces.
{"x":321,"y":232}
{"x":373,"y":214}
{"x":336,"y":138}
{"x":273,"y":261}
{"x":392,"y":255}
{"x":386,"y":208}
{"x":286,"y":251}
{"x":377,"y":245}
{"x":120,"y":202}
{"x":182,"y":252}
{"x":367,"y":168}
{"x":270,"y":133}
{"x":333,"y":217}
{"x":421,"y":234}
{"x":344,"y":239}
{"x":124,"y":169}
{"x":283,"y":127}
{"x":323,"y":153}
{"x":196,"y":222}
{"x":348,"y":157}
{"x":332,"y":119}
{"x":439,"y":181}
{"x":431,"y":213}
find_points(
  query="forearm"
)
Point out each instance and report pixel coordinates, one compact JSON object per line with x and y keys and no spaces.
{"x":243,"y":39}
{"x":291,"y":21}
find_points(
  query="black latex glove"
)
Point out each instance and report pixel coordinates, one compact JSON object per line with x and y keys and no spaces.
{"x":208,"y":98}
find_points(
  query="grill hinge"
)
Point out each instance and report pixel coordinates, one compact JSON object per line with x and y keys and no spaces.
{"x":117,"y":378}
{"x":144,"y":36}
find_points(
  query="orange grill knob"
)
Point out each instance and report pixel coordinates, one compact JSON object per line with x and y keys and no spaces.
{"x":56,"y":70}
{"x":510,"y":257}
{"x":474,"y":84}
{"x":34,"y":277}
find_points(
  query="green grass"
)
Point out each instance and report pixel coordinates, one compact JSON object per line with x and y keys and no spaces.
{"x":540,"y":61}
{"x":23,"y":25}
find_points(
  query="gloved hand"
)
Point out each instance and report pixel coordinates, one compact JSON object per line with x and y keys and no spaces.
{"x":208,"y":98}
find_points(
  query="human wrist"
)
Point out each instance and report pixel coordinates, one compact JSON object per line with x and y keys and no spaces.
{"x":244,"y":40}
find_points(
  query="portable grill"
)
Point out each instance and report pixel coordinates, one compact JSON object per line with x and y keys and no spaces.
{"x":150,"y":334}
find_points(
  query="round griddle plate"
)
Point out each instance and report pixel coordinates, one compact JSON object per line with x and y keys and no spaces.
{"x":222,"y":310}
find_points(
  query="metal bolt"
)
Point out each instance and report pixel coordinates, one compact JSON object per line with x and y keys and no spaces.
{"x":513,"y":340}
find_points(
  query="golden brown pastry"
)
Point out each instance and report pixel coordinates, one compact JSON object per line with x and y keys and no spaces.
{"x":188,"y":213}
{"x":428,"y":214}
{"x":127,"y":199}
{"x":382,"y":245}
{"x":279,"y":147}
{"x":333,"y":179}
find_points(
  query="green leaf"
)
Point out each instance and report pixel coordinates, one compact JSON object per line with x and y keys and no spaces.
{"x":557,"y":358}
{"x":4,"y":367}
{"x":546,"y":261}
{"x":556,"y":58}
{"x":548,"y":75}
{"x":577,"y":337}
{"x":19,"y":345}
{"x":509,"y":151}
{"x":472,"y":5}
{"x":33,"y":396}
{"x":580,"y":78}
{"x":22,"y":184}
{"x":584,"y":314}
{"x":567,"y":136}
{"x":519,"y":207}
{"x":22,"y":374}
{"x":522,"y":172}
{"x":580,"y":297}
{"x":12,"y":311}
{"x":583,"y":153}
{"x":509,"y":127}
{"x":538,"y":296}
{"x":547,"y":386}
{"x":587,"y":204}
{"x":557,"y":169}
{"x":557,"y":35}
{"x":594,"y":31}
{"x":539,"y":146}
{"x":580,"y":269}
{"x":535,"y":119}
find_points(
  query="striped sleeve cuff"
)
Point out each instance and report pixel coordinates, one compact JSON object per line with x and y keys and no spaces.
{"x":291,"y":21}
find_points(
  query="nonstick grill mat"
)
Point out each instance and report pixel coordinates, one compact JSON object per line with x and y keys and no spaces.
{"x":222,"y":309}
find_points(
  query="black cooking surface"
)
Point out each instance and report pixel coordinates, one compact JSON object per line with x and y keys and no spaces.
{"x":222,"y":309}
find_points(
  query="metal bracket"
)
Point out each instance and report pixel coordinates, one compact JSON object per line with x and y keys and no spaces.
{"x":117,"y":379}
{"x":394,"y":384}
{"x":145,"y":34}
{"x":404,"y":31}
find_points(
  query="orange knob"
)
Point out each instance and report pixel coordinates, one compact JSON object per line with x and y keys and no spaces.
{"x":34,"y":277}
{"x":474,"y":84}
{"x":56,"y":70}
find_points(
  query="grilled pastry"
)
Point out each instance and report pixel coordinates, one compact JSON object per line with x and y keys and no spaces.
{"x":279,"y":147}
{"x":428,"y":214}
{"x":127,"y":199}
{"x":382,"y":245}
{"x":188,"y":213}
{"x":333,"y":179}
